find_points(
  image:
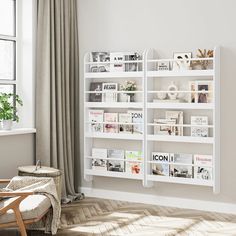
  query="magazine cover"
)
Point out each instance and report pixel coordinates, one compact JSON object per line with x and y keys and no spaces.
{"x":162,"y":167}
{"x":165,"y":126}
{"x":108,"y":89}
{"x":133,"y":56}
{"x":99,"y":164}
{"x":109,"y":127}
{"x":100,"y":57}
{"x":116,"y":165}
{"x":117,"y":62}
{"x":199,"y":131}
{"x":125,"y":118}
{"x":95,"y":87}
{"x":137,"y":117}
{"x":203,"y":167}
{"x":178,"y":170}
{"x":95,"y":116}
{"x":178,"y":117}
{"x":132,"y":165}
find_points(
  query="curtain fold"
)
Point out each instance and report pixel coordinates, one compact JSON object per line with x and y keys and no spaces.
{"x":57,"y":88}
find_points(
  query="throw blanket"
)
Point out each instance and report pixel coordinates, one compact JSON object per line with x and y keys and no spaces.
{"x":40,"y":185}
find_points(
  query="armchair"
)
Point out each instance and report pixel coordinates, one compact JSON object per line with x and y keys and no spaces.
{"x":21,"y":208}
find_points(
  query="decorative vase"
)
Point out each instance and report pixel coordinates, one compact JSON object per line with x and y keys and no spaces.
{"x":123,"y":97}
{"x":130,"y":98}
{"x":7,"y":124}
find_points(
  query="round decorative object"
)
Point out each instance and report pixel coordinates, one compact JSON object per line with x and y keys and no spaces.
{"x":161,"y":96}
{"x":173,"y":91}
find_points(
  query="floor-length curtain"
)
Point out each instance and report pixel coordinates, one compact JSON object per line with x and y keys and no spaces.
{"x":57,"y":87}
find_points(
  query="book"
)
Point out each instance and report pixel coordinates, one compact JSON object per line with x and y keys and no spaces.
{"x":117,"y":62}
{"x":95,"y":97}
{"x":99,"y":164}
{"x":165,"y":127}
{"x":178,"y":117}
{"x":203,"y":167}
{"x":109,"y":127}
{"x":125,"y":118}
{"x":178,"y":170}
{"x":133,"y":164}
{"x":95,"y":116}
{"x":137,"y":117}
{"x":116,"y":165}
{"x":162,"y":167}
{"x":132,"y":56}
{"x":199,"y":131}
{"x":100,"y":57}
{"x":109,"y":90}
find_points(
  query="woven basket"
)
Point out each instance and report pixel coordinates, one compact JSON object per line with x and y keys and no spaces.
{"x":43,"y":172}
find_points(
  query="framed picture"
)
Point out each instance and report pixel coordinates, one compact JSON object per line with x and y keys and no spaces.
{"x":100,"y":57}
{"x":179,"y":64}
{"x":163,"y":65}
{"x":201,"y":91}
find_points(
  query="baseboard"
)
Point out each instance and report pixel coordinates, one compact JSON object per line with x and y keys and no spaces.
{"x":160,"y":200}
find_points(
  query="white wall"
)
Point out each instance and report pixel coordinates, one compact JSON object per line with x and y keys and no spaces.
{"x":18,"y":150}
{"x":168,"y":26}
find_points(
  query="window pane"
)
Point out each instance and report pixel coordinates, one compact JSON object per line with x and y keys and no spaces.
{"x":7,"y":54}
{"x":5,"y":88}
{"x":7,"y":17}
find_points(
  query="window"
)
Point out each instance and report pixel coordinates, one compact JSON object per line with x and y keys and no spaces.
{"x":8,"y":46}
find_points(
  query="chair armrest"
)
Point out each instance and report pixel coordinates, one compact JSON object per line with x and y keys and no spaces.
{"x":4,"y":181}
{"x":15,"y":194}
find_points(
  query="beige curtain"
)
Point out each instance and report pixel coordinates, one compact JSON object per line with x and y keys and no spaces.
{"x":57,"y":78}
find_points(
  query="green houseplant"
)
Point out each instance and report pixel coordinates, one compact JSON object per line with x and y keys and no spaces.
{"x":8,"y":109}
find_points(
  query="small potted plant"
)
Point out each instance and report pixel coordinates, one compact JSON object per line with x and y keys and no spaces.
{"x":129,"y":86}
{"x":8,"y":109}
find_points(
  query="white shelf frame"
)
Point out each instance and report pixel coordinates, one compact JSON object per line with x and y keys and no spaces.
{"x":147,"y":178}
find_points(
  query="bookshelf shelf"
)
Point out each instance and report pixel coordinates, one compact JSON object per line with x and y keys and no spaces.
{"x":152,"y":83}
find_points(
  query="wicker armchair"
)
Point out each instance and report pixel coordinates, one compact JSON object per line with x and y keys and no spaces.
{"x":21,"y":208}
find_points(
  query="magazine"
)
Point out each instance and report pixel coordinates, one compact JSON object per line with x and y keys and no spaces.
{"x":100,"y":57}
{"x":203,"y":167}
{"x":178,"y":170}
{"x":134,"y":167}
{"x":125,"y":118}
{"x":137,"y":117}
{"x":165,"y":126}
{"x":109,"y":90}
{"x":99,"y":164}
{"x":132,"y":66}
{"x":109,"y":127}
{"x":199,"y":131}
{"x":162,"y":167}
{"x":95,"y":97}
{"x":117,"y":62}
{"x":178,"y":117}
{"x":116,"y":165}
{"x":95,"y":116}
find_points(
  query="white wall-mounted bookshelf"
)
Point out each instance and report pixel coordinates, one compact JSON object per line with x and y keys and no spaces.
{"x":152,"y":82}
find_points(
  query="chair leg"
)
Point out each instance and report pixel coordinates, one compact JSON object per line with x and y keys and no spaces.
{"x":20,"y":222}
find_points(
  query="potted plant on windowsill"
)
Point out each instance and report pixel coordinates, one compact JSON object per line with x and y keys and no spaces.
{"x":8,"y":109}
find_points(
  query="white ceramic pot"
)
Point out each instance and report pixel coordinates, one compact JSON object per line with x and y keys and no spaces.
{"x":7,"y":124}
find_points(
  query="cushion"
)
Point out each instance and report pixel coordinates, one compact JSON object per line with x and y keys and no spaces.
{"x":31,"y":207}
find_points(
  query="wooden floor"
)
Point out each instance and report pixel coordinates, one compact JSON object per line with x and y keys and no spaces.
{"x":99,"y":217}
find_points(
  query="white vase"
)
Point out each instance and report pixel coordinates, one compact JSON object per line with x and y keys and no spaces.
{"x":6,"y":124}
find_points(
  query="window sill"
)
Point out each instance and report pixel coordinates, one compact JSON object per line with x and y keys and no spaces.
{"x":17,"y":131}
